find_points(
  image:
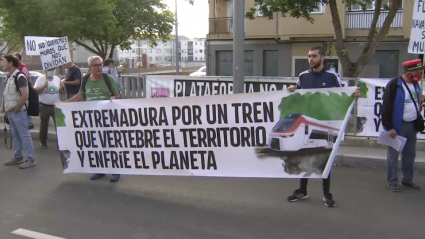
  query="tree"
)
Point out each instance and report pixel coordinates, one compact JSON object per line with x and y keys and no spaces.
{"x":114,"y":22}
{"x":98,"y":25}
{"x":302,"y":9}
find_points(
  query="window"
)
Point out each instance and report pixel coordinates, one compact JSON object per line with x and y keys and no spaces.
{"x":201,"y":59}
{"x":302,"y":65}
{"x":158,"y":58}
{"x":150,"y":58}
{"x":144,"y":50}
{"x":385,"y":4}
{"x":200,"y":51}
{"x":150,"y":50}
{"x":190,"y":51}
{"x":270,"y":63}
{"x":319,"y":9}
{"x":158,"y":50}
{"x":258,"y":12}
{"x":225,"y":63}
{"x":386,"y":62}
{"x":196,"y":50}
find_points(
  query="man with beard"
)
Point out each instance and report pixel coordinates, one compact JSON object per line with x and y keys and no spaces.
{"x":318,"y":76}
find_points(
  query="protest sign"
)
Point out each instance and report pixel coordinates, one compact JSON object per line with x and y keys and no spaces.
{"x":181,"y":86}
{"x":31,"y":44}
{"x":177,"y":86}
{"x":369,"y":106}
{"x":417,"y":34}
{"x":54,"y":53}
{"x":273,"y":134}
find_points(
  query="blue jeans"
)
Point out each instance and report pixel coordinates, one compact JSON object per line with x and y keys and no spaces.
{"x":21,"y":134}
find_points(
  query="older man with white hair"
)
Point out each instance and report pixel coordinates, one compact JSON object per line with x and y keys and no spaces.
{"x":97,"y":86}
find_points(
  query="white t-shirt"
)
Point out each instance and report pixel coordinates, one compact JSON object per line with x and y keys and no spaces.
{"x":410,"y":113}
{"x":50,"y":95}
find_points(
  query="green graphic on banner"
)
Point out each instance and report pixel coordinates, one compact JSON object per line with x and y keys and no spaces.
{"x":318,"y":105}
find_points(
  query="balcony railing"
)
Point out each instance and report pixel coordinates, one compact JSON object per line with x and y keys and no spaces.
{"x":363,"y":19}
{"x":221,"y":25}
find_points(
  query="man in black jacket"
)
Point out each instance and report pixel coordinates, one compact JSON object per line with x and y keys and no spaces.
{"x":401,"y":107}
{"x":318,"y":76}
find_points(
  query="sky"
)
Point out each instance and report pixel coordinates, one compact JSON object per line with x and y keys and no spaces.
{"x":192,"y":19}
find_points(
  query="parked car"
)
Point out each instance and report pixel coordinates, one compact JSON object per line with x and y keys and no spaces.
{"x":35,"y":74}
{"x":201,"y":72}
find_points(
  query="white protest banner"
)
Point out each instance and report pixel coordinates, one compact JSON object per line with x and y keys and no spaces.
{"x":31,"y":44}
{"x":54,"y":53}
{"x":181,"y":86}
{"x":417,"y":34}
{"x":369,"y":105}
{"x":184,"y":86}
{"x":273,"y":134}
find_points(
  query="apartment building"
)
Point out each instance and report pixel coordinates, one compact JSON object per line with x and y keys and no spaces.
{"x":279,"y":47}
{"x":190,"y":50}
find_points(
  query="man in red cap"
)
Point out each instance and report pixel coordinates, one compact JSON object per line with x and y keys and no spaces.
{"x":402,"y":104}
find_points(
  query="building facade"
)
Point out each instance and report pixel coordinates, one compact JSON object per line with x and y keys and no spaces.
{"x":279,"y":47}
{"x":164,"y":53}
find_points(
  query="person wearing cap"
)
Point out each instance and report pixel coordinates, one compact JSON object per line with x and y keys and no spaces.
{"x":402,"y":104}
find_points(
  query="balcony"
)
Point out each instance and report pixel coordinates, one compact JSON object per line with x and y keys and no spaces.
{"x":222,"y":25}
{"x":363,"y":19}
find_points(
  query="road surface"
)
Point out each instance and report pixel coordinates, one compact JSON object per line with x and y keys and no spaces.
{"x":43,"y":200}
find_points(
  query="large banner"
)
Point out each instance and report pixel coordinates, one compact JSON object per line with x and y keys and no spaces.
{"x":272,"y":135}
{"x":369,"y":105}
{"x":184,"y":86}
{"x":178,"y":86}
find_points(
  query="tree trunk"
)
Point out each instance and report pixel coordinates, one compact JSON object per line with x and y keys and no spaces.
{"x":353,"y":69}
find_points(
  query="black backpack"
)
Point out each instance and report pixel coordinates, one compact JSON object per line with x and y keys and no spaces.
{"x":33,"y":107}
{"x":105,"y":77}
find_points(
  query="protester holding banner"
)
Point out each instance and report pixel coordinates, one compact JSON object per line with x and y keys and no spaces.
{"x":97,"y":86}
{"x":318,"y":76}
{"x":48,"y":88}
{"x":402,"y":104}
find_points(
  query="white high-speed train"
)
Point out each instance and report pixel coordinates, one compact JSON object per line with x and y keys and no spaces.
{"x":296,"y":132}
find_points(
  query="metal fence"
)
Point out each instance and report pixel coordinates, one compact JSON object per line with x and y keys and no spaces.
{"x":133,"y":86}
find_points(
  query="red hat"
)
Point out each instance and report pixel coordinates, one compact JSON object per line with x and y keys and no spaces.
{"x":413,"y":65}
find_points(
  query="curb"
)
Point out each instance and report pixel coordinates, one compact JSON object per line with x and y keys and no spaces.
{"x":371,"y":162}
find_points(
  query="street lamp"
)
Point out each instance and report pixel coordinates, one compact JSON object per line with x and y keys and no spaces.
{"x":177,"y":44}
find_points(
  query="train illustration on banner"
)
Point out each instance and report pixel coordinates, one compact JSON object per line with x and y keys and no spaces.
{"x":298,"y":132}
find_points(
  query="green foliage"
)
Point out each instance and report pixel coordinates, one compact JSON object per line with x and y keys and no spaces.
{"x":105,"y":24}
{"x":59,"y":117}
{"x":363,"y":89}
{"x":321,"y":106}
